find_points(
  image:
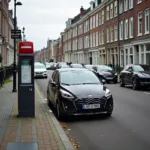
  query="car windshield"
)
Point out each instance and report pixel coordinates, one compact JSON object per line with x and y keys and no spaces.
{"x":104,"y":68}
{"x":39,"y":66}
{"x":76,"y":66}
{"x":137,"y":68}
{"x":75,"y":77}
{"x":146,"y":67}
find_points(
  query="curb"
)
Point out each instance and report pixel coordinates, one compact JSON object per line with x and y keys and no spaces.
{"x":64,"y":138}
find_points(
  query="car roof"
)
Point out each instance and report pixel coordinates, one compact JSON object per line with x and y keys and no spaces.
{"x":72,"y":69}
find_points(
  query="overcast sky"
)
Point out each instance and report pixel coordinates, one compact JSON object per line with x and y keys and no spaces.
{"x":45,"y":19}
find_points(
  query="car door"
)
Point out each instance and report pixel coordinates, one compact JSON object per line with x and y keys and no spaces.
{"x":130,"y":74}
{"x":124,"y":74}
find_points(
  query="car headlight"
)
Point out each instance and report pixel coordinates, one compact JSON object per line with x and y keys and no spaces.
{"x":116,"y":74}
{"x":66,"y":95}
{"x":45,"y":72}
{"x":107,"y":93}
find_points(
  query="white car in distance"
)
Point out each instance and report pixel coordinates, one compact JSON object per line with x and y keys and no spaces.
{"x":40,"y":70}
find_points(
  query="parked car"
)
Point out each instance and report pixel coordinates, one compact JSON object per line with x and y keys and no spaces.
{"x":63,"y":66}
{"x":58,"y":66}
{"x":53,"y":67}
{"x":91,"y":67}
{"x":47,"y":65}
{"x":107,"y":73}
{"x":136,"y":76}
{"x":40,"y":70}
{"x":76,"y":66}
{"x":76,"y":91}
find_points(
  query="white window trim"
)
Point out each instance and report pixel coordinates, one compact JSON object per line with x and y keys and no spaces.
{"x":147,"y":32}
{"x":131,"y":19}
{"x":139,"y":34}
{"x":130,"y":7}
{"x":121,"y":32}
{"x":115,"y":37}
{"x":111,"y":9}
{"x":125,"y":9}
{"x":139,"y":1}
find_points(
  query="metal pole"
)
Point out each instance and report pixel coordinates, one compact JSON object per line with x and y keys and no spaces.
{"x":14,"y":66}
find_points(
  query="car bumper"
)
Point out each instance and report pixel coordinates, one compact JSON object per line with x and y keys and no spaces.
{"x":71,"y":108}
{"x":40,"y":75}
{"x":144,"y":82}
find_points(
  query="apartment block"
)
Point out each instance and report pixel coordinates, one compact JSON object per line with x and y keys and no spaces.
{"x":116,"y":31}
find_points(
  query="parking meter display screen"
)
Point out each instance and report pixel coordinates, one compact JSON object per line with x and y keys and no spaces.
{"x":26,"y":71}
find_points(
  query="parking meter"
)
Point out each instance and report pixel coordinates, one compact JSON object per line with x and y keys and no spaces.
{"x":26,"y":92}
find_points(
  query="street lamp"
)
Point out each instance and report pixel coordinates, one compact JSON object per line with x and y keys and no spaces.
{"x":23,"y":31}
{"x":15,"y":28}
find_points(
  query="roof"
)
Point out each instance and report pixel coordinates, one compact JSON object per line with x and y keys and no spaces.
{"x":72,"y":69}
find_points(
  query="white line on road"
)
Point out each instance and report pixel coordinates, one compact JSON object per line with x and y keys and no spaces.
{"x":146,"y":92}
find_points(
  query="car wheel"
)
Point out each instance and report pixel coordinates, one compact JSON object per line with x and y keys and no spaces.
{"x":121,"y":82}
{"x":58,"y":112}
{"x":134,"y":84}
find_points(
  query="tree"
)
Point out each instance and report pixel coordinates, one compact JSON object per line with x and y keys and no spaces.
{"x":51,"y":60}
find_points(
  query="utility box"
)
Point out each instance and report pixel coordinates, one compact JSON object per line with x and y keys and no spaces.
{"x":26,"y":91}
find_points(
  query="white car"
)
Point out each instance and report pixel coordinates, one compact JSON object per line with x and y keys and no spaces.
{"x":40,"y":70}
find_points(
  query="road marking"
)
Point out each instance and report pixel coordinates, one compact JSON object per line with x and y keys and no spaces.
{"x":146,"y":92}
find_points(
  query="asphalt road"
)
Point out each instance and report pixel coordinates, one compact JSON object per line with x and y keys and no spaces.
{"x":127,"y":129}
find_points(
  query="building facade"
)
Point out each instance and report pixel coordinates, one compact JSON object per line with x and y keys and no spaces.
{"x":115,"y":31}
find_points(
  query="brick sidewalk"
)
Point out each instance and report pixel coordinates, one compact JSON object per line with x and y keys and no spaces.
{"x":40,"y":129}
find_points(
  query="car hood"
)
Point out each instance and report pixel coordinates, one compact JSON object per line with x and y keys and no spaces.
{"x":81,"y":91}
{"x":144,"y":73}
{"x":40,"y":69}
{"x":109,"y":72}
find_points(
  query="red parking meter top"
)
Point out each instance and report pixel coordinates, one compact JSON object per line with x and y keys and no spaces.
{"x":26,"y":47}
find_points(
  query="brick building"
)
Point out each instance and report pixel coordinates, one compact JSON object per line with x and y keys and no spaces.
{"x":116,"y":31}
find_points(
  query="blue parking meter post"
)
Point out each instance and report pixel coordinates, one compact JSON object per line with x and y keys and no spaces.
{"x":26,"y":91}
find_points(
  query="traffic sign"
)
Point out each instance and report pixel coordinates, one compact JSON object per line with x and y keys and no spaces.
{"x":16,"y":34}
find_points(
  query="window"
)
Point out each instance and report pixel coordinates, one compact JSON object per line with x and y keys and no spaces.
{"x":115,"y":32}
{"x":102,"y":36}
{"x":147,"y":21}
{"x":131,"y":27}
{"x":130,"y":4}
{"x":87,"y":41}
{"x":125,"y":5}
{"x":107,"y":35}
{"x":96,"y":38}
{"x":102,"y":16}
{"x":120,"y":6}
{"x":112,"y":34}
{"x":115,"y":8}
{"x":94,"y":41}
{"x":111,"y":11}
{"x":126,"y":29}
{"x":139,"y":1}
{"x":107,"y":13}
{"x":121,"y":30}
{"x":139,"y":23}
{"x":96,"y":20}
{"x":93,"y":21}
{"x":91,"y":40}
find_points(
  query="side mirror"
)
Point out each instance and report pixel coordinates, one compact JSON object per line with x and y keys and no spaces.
{"x":103,"y":81}
{"x":53,"y":84}
{"x":130,"y":70}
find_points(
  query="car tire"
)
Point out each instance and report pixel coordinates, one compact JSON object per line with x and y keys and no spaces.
{"x":134,"y":84}
{"x":121,"y":82}
{"x":58,"y":112}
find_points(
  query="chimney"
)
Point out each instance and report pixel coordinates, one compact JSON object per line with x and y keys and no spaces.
{"x":81,"y":10}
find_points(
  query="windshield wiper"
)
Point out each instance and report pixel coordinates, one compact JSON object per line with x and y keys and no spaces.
{"x":91,"y":83}
{"x":65,"y":84}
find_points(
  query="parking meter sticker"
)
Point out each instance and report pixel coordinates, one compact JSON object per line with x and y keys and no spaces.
{"x":25,"y":71}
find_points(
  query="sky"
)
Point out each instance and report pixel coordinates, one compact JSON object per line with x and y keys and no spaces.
{"x":45,"y":19}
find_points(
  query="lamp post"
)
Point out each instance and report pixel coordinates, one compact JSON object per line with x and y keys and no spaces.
{"x":23,"y":31}
{"x":15,"y":28}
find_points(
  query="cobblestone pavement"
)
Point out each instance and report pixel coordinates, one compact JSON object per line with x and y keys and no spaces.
{"x":40,"y":129}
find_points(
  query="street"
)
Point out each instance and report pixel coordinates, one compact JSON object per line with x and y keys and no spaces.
{"x":127,"y":129}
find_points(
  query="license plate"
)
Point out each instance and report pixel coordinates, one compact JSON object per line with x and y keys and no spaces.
{"x":92,"y":106}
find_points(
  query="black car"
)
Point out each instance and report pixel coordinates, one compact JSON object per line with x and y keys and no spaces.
{"x":107,"y":73}
{"x":76,"y":91}
{"x":136,"y":76}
